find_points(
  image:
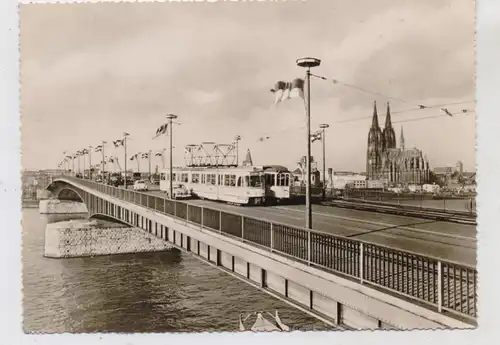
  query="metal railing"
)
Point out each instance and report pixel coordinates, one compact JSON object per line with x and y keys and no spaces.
{"x":459,"y":205}
{"x":445,"y":285}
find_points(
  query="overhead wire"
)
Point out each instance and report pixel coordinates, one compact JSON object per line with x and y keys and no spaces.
{"x":417,"y":105}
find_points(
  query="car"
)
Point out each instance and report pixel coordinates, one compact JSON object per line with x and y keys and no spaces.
{"x":155,"y":179}
{"x":180,"y":192}
{"x":140,"y":185}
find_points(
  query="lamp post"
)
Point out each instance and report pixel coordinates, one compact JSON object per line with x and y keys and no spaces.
{"x":90,"y":162}
{"x":308,"y":63}
{"x":170,"y":117}
{"x":65,"y":163}
{"x":149,"y":158}
{"x":78,"y":155}
{"x":125,"y":135}
{"x":103,"y":159}
{"x":323,"y":126}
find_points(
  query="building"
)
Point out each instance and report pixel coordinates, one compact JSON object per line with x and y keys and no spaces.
{"x":389,"y":163}
{"x":299,"y":173}
{"x":248,"y":160}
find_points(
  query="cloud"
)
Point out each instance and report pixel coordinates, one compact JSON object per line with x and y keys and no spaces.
{"x":101,"y":69}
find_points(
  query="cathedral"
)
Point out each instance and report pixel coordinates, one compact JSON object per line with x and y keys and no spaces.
{"x":384,"y":161}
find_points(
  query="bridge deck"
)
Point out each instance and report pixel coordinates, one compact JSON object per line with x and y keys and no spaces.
{"x":440,"y":239}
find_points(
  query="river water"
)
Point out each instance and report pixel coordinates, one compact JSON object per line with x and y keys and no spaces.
{"x":149,"y":292}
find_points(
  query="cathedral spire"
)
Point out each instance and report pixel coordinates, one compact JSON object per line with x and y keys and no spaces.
{"x":402,"y":139}
{"x":248,"y":159}
{"x":375,"y":116}
{"x":388,"y":123}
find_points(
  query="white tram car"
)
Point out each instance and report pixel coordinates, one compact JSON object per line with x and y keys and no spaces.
{"x":278,"y":181}
{"x":241,"y":185}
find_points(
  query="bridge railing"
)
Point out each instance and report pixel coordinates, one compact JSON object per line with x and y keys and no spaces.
{"x":446,"y":285}
{"x":464,"y":205}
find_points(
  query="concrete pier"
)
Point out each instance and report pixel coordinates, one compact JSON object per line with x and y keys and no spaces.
{"x":55,"y":206}
{"x":78,"y":238}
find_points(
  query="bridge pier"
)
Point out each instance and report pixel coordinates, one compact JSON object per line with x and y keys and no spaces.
{"x":80,"y":238}
{"x":55,"y":206}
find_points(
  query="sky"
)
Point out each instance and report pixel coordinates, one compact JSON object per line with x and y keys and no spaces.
{"x":89,"y":72}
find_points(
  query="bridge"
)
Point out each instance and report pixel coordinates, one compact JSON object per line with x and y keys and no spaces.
{"x":343,"y":281}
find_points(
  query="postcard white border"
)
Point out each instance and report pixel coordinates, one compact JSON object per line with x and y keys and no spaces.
{"x":488,"y":176}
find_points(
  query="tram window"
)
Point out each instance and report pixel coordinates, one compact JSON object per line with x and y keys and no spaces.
{"x":232,"y":180}
{"x":239,"y":181}
{"x":287,"y":179}
{"x":212,"y":179}
{"x":195,"y":178}
{"x":162,"y":176}
{"x":256,"y":181}
{"x":247,"y":181}
{"x":174,"y":176}
{"x":219,"y":179}
{"x":281,"y":180}
{"x":184,"y":177}
{"x":226,"y":180}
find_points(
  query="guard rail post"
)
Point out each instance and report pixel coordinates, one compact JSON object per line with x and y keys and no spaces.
{"x":308,"y":246}
{"x":361,"y":262}
{"x":272,"y":236}
{"x":439,"y":286}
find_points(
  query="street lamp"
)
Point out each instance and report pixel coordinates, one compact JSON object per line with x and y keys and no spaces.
{"x":323,"y":126}
{"x":170,"y":117}
{"x":308,"y":63}
{"x":125,"y":135}
{"x":90,"y":161}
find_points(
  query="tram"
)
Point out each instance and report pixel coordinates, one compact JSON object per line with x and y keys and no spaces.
{"x":278,"y":180}
{"x":235,"y":185}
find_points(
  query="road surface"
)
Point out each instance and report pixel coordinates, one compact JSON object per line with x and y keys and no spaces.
{"x":440,"y":239}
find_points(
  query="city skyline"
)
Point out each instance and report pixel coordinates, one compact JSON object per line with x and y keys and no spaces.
{"x":84,"y":80}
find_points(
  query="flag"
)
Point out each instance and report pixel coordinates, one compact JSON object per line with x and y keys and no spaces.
{"x":158,"y":154}
{"x":447,"y":112}
{"x":161,"y":130}
{"x":286,"y":90}
{"x":238,"y":137}
{"x":316,"y":136}
{"x":118,"y":142}
{"x":98,"y":148}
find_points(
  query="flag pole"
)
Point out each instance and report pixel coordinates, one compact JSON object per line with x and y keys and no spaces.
{"x":103,"y":142}
{"x":90,"y":162}
{"x":323,"y":126}
{"x":170,"y":117}
{"x":149,"y":158}
{"x":308,"y":63}
{"x":125,"y":134}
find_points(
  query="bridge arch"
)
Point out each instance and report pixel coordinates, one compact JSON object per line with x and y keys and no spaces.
{"x":107,"y":217}
{"x":65,"y":191}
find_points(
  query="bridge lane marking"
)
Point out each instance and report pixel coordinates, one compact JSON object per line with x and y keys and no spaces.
{"x":358,"y":231}
{"x":234,"y":209}
{"x":402,"y":227}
